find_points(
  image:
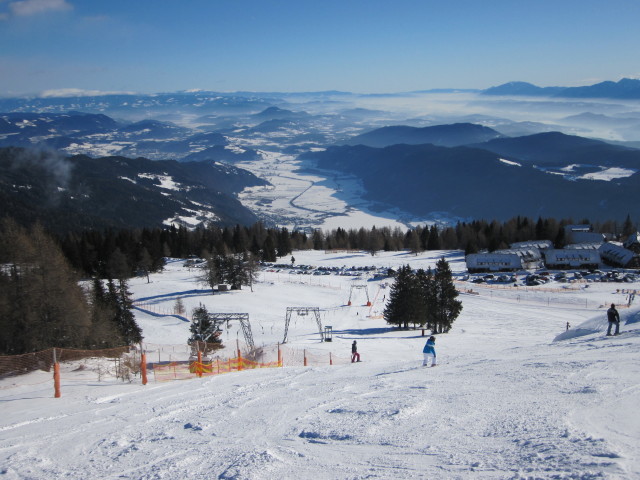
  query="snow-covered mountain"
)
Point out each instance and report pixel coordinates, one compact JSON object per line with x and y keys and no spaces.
{"x":277,"y":137}
{"x":75,"y":193}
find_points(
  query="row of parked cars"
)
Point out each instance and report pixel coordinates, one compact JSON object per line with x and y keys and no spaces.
{"x":543,"y":277}
{"x":352,"y":271}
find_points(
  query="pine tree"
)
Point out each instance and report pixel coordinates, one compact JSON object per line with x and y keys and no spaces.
{"x":123,"y":318}
{"x":178,"y":306}
{"x":200,"y":323}
{"x":105,"y":333}
{"x":145,"y":263}
{"x":446,"y":306}
{"x":374,"y":241}
{"x":412,"y":242}
{"x":212,"y":272}
{"x":250,"y":267}
{"x":404,"y":305}
{"x":627,"y":227}
{"x":269,"y":250}
{"x":284,"y":243}
{"x":318,"y":240}
{"x":434,"y":239}
{"x":234,"y":272}
{"x":424,"y":288}
{"x":203,"y":328}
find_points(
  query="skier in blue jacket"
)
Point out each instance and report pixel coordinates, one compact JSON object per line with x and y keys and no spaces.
{"x":429,"y":351}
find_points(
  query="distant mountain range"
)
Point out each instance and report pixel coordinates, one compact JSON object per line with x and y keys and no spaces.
{"x":139,"y":160}
{"x":561,"y":151}
{"x":73,"y":193}
{"x":252,"y":103}
{"x":98,"y":134}
{"x":548,"y":175}
{"x":443,"y":135}
{"x":627,"y":88}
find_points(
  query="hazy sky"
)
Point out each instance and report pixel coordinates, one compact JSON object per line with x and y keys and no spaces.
{"x":299,"y":45}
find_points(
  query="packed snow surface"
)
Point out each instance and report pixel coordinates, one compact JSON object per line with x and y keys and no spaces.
{"x":515,"y":395}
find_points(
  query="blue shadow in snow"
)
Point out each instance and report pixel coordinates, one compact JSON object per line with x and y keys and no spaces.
{"x":358,"y":333}
{"x":186,"y":293}
{"x":161,"y":315}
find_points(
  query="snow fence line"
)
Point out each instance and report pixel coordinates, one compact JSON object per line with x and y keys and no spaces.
{"x":127,"y":362}
{"x":130,"y":362}
{"x":270,"y":356}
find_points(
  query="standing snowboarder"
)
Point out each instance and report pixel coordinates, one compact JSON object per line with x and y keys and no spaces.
{"x":429,"y":351}
{"x":614,"y":318}
{"x":355,"y":356}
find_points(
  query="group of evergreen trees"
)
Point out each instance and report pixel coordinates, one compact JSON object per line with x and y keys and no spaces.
{"x":129,"y":252}
{"x":233,"y":269}
{"x":423,"y":298}
{"x":42,"y":302}
{"x":112,"y":253}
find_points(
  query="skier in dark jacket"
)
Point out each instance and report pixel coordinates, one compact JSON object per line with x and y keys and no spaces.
{"x":614,"y":318}
{"x":355,"y":356}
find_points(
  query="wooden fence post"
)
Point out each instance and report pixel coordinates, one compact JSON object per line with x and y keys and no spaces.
{"x":305,"y":357}
{"x":240,"y":366}
{"x":143,"y":367}
{"x":56,"y":376}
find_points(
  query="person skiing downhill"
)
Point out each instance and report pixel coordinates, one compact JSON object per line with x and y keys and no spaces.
{"x":429,"y":352}
{"x":355,"y":356}
{"x":614,"y":318}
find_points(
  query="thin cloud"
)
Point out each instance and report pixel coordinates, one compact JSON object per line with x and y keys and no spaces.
{"x":26,"y":8}
{"x":78,"y":92}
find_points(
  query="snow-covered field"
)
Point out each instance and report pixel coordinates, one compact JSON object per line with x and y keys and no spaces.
{"x":506,"y":401}
{"x":324,"y":200}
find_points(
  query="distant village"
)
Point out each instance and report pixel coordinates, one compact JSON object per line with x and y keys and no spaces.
{"x":586,"y":250}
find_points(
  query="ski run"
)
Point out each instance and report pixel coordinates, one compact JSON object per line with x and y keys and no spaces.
{"x":515,"y":396}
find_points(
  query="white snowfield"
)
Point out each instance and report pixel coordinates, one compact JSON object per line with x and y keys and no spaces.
{"x":505,"y":402}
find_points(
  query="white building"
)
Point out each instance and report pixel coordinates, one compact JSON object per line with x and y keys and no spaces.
{"x":571,"y":258}
{"x":492,"y":262}
{"x":539,"y":244}
{"x":582,"y":234}
{"x":633,"y":242}
{"x":616,"y":255}
{"x":584,"y":246}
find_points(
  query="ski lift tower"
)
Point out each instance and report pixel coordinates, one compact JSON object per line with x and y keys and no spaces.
{"x":243,"y":318}
{"x":359,"y":287}
{"x":302,"y":311}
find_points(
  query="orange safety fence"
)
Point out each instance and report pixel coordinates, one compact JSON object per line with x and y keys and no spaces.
{"x":186,"y":370}
{"x":11,"y":365}
{"x":314,"y":358}
{"x":176,"y":362}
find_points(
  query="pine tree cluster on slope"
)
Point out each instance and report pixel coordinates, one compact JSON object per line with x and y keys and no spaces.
{"x":42,"y":304}
{"x":424,"y":298}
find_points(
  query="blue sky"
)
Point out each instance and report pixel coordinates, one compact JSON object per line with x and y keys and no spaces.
{"x":283,"y":45}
